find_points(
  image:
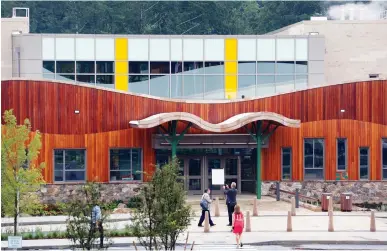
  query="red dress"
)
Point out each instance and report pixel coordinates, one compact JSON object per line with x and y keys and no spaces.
{"x":239,"y":223}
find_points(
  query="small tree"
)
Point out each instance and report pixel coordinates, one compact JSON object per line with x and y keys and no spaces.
{"x":163,"y":214}
{"x":21,"y":177}
{"x":80,"y":229}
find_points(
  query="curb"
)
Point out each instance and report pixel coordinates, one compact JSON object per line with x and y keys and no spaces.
{"x":256,"y":244}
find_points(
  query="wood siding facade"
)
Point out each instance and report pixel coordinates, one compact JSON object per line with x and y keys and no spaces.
{"x":103,"y":122}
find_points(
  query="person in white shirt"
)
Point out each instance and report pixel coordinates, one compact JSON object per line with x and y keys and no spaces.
{"x":96,"y":222}
{"x":205,"y":204}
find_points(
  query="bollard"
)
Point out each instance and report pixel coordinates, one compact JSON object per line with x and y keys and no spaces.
{"x":297,"y":198}
{"x":277,"y":191}
{"x":217,"y":213}
{"x":255,"y":207}
{"x":330,"y":204}
{"x":248,"y":222}
{"x":293,"y":207}
{"x":330,"y":223}
{"x":373,"y":225}
{"x":289,"y":227}
{"x":206,"y":223}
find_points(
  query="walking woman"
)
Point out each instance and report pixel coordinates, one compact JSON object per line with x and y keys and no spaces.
{"x":238,"y":224}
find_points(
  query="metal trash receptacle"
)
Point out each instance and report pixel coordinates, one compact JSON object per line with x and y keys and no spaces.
{"x":346,"y":202}
{"x":325,"y":201}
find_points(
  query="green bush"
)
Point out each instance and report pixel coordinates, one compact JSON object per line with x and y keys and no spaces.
{"x":134,"y":202}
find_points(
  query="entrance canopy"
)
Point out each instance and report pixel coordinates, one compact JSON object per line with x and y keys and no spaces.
{"x":228,"y":125}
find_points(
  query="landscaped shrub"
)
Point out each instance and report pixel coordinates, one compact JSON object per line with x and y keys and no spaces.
{"x":134,"y":202}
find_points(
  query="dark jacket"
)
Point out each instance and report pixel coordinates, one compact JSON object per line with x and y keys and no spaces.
{"x":231,"y":195}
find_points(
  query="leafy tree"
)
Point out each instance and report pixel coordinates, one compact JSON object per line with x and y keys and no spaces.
{"x":80,"y":229}
{"x":21,"y":176}
{"x":163,"y":213}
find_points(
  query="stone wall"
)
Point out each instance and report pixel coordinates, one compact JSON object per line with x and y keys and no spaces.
{"x":52,"y":193}
{"x":362,"y":191}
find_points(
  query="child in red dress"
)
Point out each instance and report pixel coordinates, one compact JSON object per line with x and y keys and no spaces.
{"x":238,"y":224}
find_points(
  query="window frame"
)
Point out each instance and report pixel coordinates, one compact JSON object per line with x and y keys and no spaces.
{"x":303,"y":158}
{"x":142,"y":166}
{"x":381,"y":152}
{"x":368,"y":162}
{"x":64,"y":164}
{"x":291,"y":155}
{"x":346,"y":155}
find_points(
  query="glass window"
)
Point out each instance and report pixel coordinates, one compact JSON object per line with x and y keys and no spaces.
{"x":301,"y":67}
{"x":69,"y":165}
{"x":301,"y":82}
{"x":65,"y":67}
{"x":139,"y":84}
{"x":105,"y":81}
{"x":341,"y":154}
{"x":214,"y":67}
{"x":159,"y":67}
{"x":193,"y":86}
{"x":214,"y":87}
{"x":314,"y":159}
{"x":139,"y":67}
{"x":125,"y":164}
{"x":193,"y":68}
{"x":48,"y":67}
{"x":176,"y":86}
{"x":194,"y":167}
{"x":246,"y":86}
{"x":384,"y":159}
{"x":246,"y":67}
{"x":85,"y":67}
{"x":49,"y":76}
{"x":286,"y":163}
{"x":265,"y":67}
{"x":159,"y":85}
{"x":265,"y":85}
{"x":65,"y":77}
{"x":176,"y":67}
{"x":364,"y":163}
{"x":284,"y":83}
{"x":105,"y":67}
{"x":86,"y":78}
{"x":231,"y":167}
{"x":285,"y":67}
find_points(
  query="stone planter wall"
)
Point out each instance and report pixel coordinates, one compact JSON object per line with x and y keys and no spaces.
{"x":52,"y":193}
{"x":362,"y":191}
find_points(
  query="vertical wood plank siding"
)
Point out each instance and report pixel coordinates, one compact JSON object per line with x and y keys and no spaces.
{"x":103,"y":122}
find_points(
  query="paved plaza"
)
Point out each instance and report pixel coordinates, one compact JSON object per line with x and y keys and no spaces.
{"x":268,"y":230}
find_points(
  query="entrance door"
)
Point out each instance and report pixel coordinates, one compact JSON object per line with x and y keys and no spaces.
{"x":231,"y":168}
{"x":194,"y":173}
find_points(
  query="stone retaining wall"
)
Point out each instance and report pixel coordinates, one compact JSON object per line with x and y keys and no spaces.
{"x":371,"y":192}
{"x":52,"y":193}
{"x":362,"y":191}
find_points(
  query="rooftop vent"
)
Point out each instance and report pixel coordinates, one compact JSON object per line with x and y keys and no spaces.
{"x":20,"y":12}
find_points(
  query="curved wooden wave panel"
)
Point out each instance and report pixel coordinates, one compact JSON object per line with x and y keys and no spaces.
{"x":50,"y":106}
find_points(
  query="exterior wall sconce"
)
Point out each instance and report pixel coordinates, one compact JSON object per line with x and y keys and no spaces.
{"x":76,"y":111}
{"x":342,"y":110}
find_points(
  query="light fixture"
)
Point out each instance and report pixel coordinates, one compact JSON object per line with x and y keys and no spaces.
{"x":314,"y":33}
{"x":76,"y":111}
{"x":342,"y":110}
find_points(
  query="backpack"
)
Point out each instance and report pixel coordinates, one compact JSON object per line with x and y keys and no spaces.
{"x":204,"y":204}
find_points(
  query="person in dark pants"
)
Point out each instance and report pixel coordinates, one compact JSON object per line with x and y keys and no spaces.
{"x":230,"y":200}
{"x":205,"y":204}
{"x":96,"y":222}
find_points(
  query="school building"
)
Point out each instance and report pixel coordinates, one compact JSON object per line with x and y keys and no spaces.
{"x":305,"y":105}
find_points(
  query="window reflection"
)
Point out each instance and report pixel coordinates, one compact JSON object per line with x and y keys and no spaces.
{"x":159,"y":85}
{"x":176,"y":86}
{"x":65,"y":67}
{"x":65,"y":77}
{"x":105,"y":81}
{"x":265,"y":85}
{"x":105,"y":67}
{"x":86,"y":78}
{"x":284,"y":83}
{"x":176,"y":67}
{"x":159,"y":67}
{"x":265,"y":67}
{"x":85,"y":67}
{"x":139,"y":67}
{"x":214,"y":87}
{"x":214,"y":67}
{"x":246,"y":86}
{"x":285,"y":67}
{"x":246,"y":67}
{"x":301,"y":82}
{"x":139,"y":84}
{"x":193,"y":67}
{"x":301,"y":67}
{"x":48,"y":67}
{"x":193,"y":86}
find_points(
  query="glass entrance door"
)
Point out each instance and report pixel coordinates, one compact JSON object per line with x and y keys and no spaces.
{"x":193,"y":177}
{"x":231,"y":168}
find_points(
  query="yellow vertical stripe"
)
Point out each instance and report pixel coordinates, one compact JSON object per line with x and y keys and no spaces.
{"x":121,"y":64}
{"x":231,"y":68}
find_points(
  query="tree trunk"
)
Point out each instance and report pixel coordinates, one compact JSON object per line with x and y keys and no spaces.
{"x":16,"y":214}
